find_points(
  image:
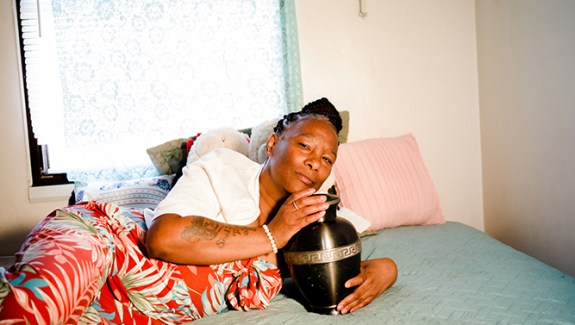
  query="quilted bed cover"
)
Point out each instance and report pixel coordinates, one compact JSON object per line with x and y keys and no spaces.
{"x":448,"y":274}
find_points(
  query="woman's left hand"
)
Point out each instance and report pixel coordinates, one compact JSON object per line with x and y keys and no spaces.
{"x":375,"y":277}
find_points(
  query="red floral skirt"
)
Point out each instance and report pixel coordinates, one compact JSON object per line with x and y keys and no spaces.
{"x":87,"y":263}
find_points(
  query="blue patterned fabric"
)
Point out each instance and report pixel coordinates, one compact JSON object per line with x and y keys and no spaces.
{"x":137,"y":193}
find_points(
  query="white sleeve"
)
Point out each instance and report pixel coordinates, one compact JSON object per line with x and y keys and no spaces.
{"x":192,"y":195}
{"x":222,"y":185}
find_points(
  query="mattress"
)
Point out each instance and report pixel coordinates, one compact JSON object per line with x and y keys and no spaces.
{"x":448,"y":274}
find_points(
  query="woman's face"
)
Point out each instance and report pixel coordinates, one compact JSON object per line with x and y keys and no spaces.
{"x":302,"y":157}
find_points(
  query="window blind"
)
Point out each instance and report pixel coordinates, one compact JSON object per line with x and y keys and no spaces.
{"x":41,"y":70}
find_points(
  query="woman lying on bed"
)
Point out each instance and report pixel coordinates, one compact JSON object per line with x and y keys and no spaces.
{"x":211,"y":244}
{"x":239,"y":199}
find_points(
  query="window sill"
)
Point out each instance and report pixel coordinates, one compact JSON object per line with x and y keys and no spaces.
{"x":50,"y":193}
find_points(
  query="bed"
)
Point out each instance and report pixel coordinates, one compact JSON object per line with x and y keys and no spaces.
{"x":449,"y":273}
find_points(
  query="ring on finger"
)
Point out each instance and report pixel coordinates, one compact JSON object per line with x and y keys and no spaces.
{"x":295,"y":205}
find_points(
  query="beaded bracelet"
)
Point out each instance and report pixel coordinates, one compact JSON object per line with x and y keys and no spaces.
{"x":271,"y":238}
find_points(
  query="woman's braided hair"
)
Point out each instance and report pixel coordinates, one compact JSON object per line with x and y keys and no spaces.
{"x":321,"y":108}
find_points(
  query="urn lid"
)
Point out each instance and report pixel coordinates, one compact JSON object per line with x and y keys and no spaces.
{"x":331,"y":199}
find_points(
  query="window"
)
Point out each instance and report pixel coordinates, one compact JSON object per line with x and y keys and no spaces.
{"x":104,"y":80}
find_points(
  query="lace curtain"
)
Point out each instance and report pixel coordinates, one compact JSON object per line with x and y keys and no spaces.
{"x":135,"y":74}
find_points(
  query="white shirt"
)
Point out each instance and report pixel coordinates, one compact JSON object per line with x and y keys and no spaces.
{"x":222,"y":185}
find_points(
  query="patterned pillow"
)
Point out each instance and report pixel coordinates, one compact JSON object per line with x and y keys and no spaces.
{"x":139,"y":193}
{"x":169,"y":156}
{"x":386,"y":181}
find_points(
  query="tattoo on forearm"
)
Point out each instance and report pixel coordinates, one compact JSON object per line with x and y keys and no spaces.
{"x":226,"y":235}
{"x":206,"y":229}
{"x":201,"y":229}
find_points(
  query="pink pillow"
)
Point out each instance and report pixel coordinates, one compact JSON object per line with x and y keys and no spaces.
{"x":385,"y":181}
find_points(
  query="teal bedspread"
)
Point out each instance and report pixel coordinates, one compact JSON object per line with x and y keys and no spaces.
{"x":448,"y":274}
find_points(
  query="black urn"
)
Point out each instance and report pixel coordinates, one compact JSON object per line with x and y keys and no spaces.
{"x":321,"y":257}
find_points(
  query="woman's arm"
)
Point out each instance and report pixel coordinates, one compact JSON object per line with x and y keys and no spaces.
{"x":202,"y":241}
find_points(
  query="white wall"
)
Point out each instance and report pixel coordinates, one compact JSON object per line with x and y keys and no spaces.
{"x":527,"y":86}
{"x":408,"y":67}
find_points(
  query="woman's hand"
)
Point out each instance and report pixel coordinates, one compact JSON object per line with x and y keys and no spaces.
{"x":375,"y":277}
{"x":298,"y":211}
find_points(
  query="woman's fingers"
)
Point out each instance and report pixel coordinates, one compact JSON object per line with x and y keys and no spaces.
{"x":309,"y":209}
{"x":375,"y":277}
{"x":298,"y":211}
{"x":313,"y":217}
{"x":306,"y":199}
{"x":298,"y":195}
